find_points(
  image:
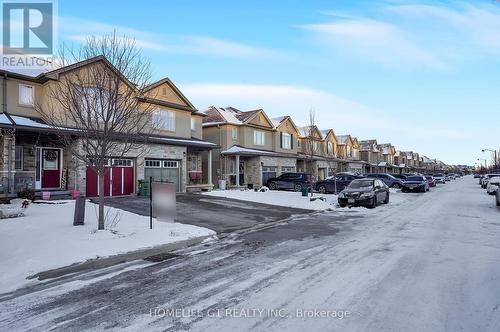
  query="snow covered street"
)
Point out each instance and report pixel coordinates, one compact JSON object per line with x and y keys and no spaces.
{"x":426,"y":262}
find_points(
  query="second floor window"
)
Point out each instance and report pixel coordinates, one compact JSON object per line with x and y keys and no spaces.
{"x":329,"y":148}
{"x":286,"y":141}
{"x":193,"y":124}
{"x":234,"y":133}
{"x":259,"y":137}
{"x":163,"y":119}
{"x":25,"y":94}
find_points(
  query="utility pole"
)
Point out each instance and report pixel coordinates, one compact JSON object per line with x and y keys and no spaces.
{"x":495,"y":152}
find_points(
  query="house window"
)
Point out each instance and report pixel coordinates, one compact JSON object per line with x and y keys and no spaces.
{"x":19,"y":158}
{"x":329,"y":148}
{"x":171,"y":164}
{"x":234,"y":133}
{"x":258,"y":137}
{"x":193,"y":124}
{"x":164,"y":119}
{"x":286,"y":141}
{"x":25,"y":94}
{"x":315,"y":146}
{"x":122,"y":162}
{"x":152,"y":163}
{"x":287,"y":169}
{"x":164,"y":91}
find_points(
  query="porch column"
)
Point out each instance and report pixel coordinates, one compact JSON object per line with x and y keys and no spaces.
{"x":209,"y":167}
{"x":237,"y":170}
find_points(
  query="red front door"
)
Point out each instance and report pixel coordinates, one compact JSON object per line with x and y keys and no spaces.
{"x":51,"y":168}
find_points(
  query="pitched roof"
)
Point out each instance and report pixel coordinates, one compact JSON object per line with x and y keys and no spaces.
{"x":172,"y":85}
{"x":305,"y":131}
{"x":342,"y":139}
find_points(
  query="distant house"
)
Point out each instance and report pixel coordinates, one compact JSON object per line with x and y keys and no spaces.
{"x":252,"y":147}
{"x":349,"y":152}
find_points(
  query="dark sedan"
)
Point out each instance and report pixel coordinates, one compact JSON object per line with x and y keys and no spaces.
{"x":415,"y":183}
{"x":364,"y":192}
{"x":337,"y":184}
{"x":430,"y":180}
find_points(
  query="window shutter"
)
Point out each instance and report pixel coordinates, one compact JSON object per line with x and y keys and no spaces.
{"x":281,"y":140}
{"x":291,"y":141}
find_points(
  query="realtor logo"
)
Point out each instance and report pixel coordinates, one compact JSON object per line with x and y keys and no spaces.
{"x":27,"y":27}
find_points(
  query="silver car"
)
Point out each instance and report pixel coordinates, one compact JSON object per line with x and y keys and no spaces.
{"x":439,"y":178}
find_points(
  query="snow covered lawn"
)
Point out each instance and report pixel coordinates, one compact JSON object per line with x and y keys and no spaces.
{"x":281,"y":198}
{"x":46,"y":239}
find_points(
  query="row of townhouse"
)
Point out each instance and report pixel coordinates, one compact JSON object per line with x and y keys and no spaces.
{"x":192,"y":149}
{"x":31,"y":155}
{"x":252,"y":147}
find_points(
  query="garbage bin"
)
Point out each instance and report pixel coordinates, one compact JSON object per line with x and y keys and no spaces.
{"x":304,"y":192}
{"x":250,"y":186}
{"x":222,"y":184}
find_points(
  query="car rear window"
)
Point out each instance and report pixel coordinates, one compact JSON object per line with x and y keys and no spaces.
{"x":414,"y":178}
{"x":360,"y":184}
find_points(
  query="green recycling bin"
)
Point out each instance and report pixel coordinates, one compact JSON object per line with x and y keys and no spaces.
{"x":304,"y":192}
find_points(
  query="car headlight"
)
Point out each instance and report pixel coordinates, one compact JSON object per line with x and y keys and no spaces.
{"x":341,"y":195}
{"x":367,"y":195}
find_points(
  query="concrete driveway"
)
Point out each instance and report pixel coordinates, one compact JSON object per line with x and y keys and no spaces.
{"x":222,"y":215}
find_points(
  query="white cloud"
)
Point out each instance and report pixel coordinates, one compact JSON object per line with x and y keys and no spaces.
{"x":79,"y":30}
{"x":379,"y":41}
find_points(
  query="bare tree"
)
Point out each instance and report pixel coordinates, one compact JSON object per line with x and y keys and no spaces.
{"x":312,"y":147}
{"x":101,"y":102}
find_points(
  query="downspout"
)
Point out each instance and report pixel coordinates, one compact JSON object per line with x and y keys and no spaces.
{"x":9,"y":145}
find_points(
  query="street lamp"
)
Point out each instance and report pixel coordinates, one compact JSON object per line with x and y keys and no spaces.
{"x":494,"y":151}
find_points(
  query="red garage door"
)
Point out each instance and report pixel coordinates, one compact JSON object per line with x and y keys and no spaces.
{"x":118,"y":179}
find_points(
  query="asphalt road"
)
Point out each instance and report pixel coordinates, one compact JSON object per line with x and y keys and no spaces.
{"x":425,"y":262}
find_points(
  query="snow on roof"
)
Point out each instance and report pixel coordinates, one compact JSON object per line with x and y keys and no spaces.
{"x":342,"y":139}
{"x":22,"y":121}
{"x":277,"y":120}
{"x":382,"y":164}
{"x":229,"y":115}
{"x":235,"y":149}
{"x":305,"y":131}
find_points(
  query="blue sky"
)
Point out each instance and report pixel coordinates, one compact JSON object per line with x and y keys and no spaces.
{"x":423,"y":75}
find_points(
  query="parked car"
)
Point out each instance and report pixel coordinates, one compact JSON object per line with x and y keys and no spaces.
{"x":400,"y":176}
{"x":364,"y":192}
{"x":486,"y":179}
{"x":498,"y":197}
{"x":447,"y":177}
{"x":430,"y":180}
{"x":476,"y":175}
{"x":415,"y":183}
{"x":388,"y":179}
{"x":493,"y":184}
{"x":290,"y":181}
{"x":339,"y":182}
{"x":439,"y":178}
{"x":451,"y":176}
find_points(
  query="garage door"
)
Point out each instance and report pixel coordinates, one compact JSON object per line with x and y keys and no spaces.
{"x":163,"y":171}
{"x":118,"y":179}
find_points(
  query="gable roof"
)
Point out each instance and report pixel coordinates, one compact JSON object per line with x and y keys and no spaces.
{"x":280,"y":120}
{"x":327,"y":132}
{"x":167,"y":81}
{"x":343,"y":139}
{"x":305,"y":131}
{"x":232,"y":115}
{"x":369,"y":145}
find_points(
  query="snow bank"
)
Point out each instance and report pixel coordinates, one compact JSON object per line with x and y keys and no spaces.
{"x":46,"y":239}
{"x":280,"y":198}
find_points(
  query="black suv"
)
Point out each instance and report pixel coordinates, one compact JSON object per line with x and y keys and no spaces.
{"x":388,"y":179}
{"x":339,"y":183}
{"x":290,"y":181}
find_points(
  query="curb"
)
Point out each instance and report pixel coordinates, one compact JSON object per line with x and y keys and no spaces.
{"x":99,"y":263}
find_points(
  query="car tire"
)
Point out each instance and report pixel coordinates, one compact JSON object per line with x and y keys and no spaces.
{"x":298,"y":187}
{"x":386,"y":201}
{"x":342,"y":205}
{"x":498,"y":202}
{"x":272,"y":186}
{"x":322,"y":189}
{"x":374,"y":203}
{"x":403,"y":190}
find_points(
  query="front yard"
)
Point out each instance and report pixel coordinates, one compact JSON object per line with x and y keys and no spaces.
{"x":46,"y":239}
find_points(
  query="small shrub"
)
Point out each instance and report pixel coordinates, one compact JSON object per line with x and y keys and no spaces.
{"x":26,"y":194}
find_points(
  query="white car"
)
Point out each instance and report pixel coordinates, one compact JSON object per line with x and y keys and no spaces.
{"x":486,"y":179}
{"x":439,"y":178}
{"x":493,"y":184}
{"x":498,"y":198}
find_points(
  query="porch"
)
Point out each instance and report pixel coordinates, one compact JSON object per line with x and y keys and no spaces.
{"x":35,"y":161}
